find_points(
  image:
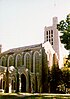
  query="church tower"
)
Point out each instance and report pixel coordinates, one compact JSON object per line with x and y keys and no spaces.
{"x":51,"y":34}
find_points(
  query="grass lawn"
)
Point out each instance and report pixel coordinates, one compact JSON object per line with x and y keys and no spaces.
{"x":33,"y":96}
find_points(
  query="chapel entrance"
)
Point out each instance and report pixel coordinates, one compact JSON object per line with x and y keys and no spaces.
{"x":23,"y":83}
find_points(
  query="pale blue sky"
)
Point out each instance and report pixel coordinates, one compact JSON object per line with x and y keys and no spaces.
{"x":22,"y":22}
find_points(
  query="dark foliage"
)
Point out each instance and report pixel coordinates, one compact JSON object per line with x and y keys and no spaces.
{"x":56,"y":78}
{"x":64,"y":28}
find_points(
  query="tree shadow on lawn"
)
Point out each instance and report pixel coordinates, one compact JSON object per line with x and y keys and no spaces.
{"x":24,"y":97}
{"x":39,"y":97}
{"x":32,"y":97}
{"x":9,"y":97}
{"x":46,"y":97}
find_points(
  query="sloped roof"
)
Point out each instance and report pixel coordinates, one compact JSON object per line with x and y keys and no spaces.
{"x":22,"y":48}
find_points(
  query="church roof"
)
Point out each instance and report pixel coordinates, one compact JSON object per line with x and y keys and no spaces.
{"x":22,"y":48}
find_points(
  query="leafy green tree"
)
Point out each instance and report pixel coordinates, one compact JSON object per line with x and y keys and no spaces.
{"x":56,"y":78}
{"x":66,"y":76}
{"x":64,"y":28}
{"x":67,"y":63}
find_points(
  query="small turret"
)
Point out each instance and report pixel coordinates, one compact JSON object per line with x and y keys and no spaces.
{"x":55,"y":21}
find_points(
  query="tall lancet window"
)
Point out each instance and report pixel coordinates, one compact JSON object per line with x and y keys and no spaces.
{"x":36,"y":62}
{"x":19,"y":60}
{"x":28,"y":61}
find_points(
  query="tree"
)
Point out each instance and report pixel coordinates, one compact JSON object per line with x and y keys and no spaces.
{"x":64,"y":28}
{"x":66,"y":76}
{"x":55,"y":79}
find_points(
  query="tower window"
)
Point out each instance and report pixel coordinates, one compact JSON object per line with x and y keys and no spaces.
{"x":52,"y":39}
{"x":46,"y":32}
{"x":51,"y":32}
{"x":52,"y":43}
{"x":47,"y":38}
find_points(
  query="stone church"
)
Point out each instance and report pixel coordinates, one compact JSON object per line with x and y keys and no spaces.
{"x":25,"y":69}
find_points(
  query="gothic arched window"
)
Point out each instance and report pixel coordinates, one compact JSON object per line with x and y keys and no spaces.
{"x":11,"y":61}
{"x":3,"y":61}
{"x":28,"y":61}
{"x":19,"y":60}
{"x":36,"y":62}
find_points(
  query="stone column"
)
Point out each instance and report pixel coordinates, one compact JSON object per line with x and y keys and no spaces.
{"x":2,"y":83}
{"x":38,"y":81}
{"x":27,"y":81}
{"x":19,"y":82}
{"x":10,"y":86}
{"x":40,"y":72}
{"x":32,"y":82}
